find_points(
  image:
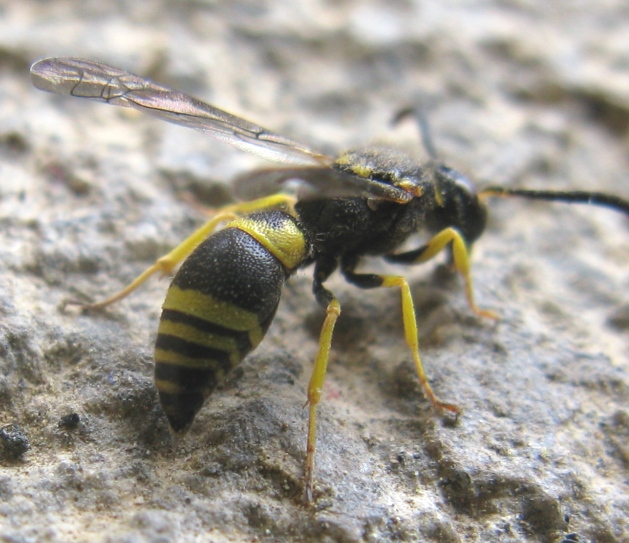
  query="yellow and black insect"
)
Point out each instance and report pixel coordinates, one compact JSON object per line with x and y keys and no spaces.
{"x":365,"y":202}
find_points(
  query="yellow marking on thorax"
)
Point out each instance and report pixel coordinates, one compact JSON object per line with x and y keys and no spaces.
{"x":438,"y":195}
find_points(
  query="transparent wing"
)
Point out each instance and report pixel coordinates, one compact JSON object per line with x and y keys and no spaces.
{"x":88,"y":79}
{"x":311,"y":183}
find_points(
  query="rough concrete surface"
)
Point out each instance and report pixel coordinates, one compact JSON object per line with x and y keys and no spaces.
{"x":519,"y":92}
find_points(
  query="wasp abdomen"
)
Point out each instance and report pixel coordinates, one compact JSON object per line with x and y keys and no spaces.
{"x":219,"y":306}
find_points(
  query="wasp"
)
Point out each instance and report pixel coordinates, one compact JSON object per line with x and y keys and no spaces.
{"x":364,"y":202}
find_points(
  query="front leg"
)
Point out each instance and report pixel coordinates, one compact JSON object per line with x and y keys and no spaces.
{"x":460,"y":255}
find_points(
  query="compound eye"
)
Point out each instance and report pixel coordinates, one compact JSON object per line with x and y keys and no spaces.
{"x":457,"y":178}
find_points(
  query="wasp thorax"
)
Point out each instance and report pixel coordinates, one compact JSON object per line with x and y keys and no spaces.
{"x":382,"y":164}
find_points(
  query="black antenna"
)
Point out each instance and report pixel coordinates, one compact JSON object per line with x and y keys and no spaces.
{"x":420,"y":118}
{"x":570,"y":197}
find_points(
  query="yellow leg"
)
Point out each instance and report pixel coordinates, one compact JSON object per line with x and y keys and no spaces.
{"x":167,"y":263}
{"x":461,"y":263}
{"x":412,"y":339}
{"x":314,"y":392}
